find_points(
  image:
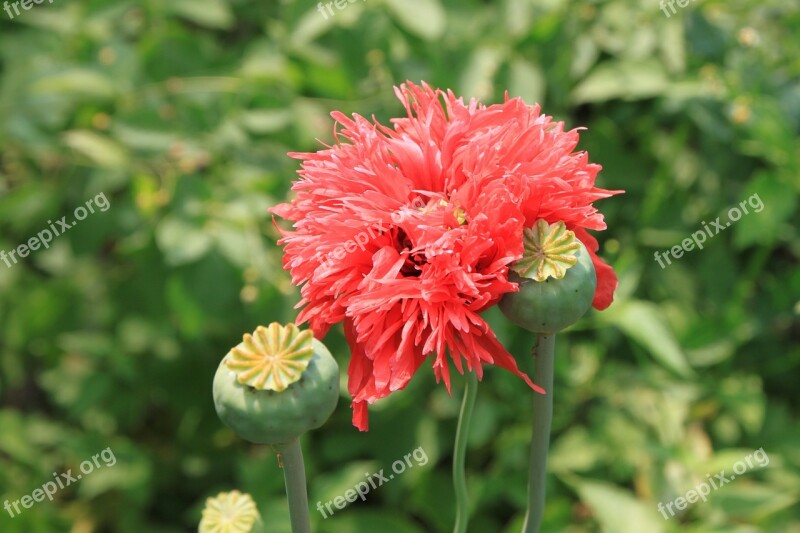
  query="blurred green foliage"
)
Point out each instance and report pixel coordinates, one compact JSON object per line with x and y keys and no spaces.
{"x":181,"y":112}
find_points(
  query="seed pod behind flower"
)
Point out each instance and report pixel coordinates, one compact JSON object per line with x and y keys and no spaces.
{"x":276,"y":385}
{"x":556,"y":279}
{"x":231,"y":512}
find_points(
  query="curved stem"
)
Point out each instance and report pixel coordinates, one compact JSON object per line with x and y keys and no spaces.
{"x":294,"y":473}
{"x":460,"y":452}
{"x":540,"y":441}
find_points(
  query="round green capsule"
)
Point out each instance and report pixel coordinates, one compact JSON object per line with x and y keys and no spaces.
{"x":556,"y":278}
{"x":276,"y":385}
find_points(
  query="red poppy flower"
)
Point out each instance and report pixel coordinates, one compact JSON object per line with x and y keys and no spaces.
{"x":406,"y":233}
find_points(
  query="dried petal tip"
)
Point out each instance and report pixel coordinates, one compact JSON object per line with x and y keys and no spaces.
{"x":550,"y":250}
{"x":271,"y":358}
{"x":230,"y":512}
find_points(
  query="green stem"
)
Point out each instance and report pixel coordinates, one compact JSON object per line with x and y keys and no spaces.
{"x":294,"y":473}
{"x":540,"y":441}
{"x":460,"y":452}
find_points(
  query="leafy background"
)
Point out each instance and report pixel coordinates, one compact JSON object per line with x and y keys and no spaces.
{"x":182,"y":112}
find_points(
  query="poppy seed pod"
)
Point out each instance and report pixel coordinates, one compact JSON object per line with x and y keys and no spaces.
{"x":556,"y":280}
{"x":276,"y":385}
{"x":231,"y":512}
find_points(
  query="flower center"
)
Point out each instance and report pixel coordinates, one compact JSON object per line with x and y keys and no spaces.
{"x":459,"y":215}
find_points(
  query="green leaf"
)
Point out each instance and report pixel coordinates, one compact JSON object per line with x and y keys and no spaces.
{"x":101,"y":150}
{"x":518,"y":16}
{"x":644,"y":323}
{"x":327,"y":487}
{"x":629,"y":80}
{"x":180,"y":241}
{"x":576,"y":450}
{"x":672,"y":45}
{"x":80,"y":81}
{"x":615,"y":509}
{"x":477,"y":80}
{"x":266,"y":120}
{"x":585,"y":56}
{"x":769,"y":203}
{"x":424,"y":18}
{"x":749,"y":501}
{"x":208,"y":13}
{"x":310,"y":26}
{"x":526,"y":80}
{"x":143,"y":139}
{"x":368,"y":522}
{"x":744,"y":399}
{"x":183,"y":304}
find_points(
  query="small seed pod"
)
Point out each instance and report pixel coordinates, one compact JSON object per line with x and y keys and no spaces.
{"x":556,"y":280}
{"x":231,"y":512}
{"x":276,"y":385}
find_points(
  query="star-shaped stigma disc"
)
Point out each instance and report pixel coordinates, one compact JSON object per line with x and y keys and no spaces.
{"x":229,"y":512}
{"x":271,"y":358}
{"x":550,"y":250}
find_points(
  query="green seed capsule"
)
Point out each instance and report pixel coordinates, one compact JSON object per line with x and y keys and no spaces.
{"x":231,"y":512}
{"x":276,"y":385}
{"x":556,"y":279}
